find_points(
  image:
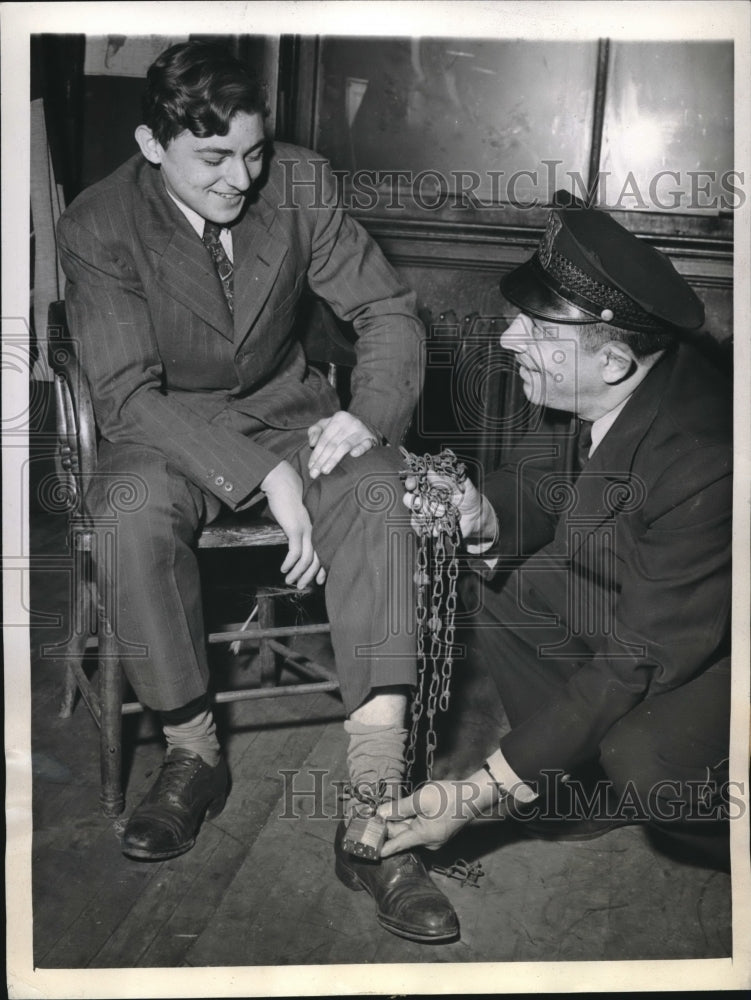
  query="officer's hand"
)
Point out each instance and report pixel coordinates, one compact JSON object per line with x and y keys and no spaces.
{"x":283,"y":489}
{"x":477,"y":520}
{"x":428,"y":818}
{"x":334,"y":437}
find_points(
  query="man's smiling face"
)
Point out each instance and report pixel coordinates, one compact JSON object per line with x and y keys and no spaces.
{"x":212,"y":175}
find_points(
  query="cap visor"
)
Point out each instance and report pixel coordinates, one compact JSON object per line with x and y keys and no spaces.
{"x":526,"y":288}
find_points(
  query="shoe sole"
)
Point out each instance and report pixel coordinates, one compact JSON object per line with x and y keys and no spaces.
{"x":352,"y":881}
{"x":142,"y":855}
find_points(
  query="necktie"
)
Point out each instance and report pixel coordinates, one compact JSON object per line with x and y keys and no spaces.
{"x":222,"y":263}
{"x":583,"y":444}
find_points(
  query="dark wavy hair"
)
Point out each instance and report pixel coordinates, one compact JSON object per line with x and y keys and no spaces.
{"x":198,"y":86}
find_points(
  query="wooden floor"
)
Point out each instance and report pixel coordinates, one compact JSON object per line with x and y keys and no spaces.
{"x":259,"y":889}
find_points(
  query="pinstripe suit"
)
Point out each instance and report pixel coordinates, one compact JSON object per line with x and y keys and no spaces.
{"x":201,"y":404}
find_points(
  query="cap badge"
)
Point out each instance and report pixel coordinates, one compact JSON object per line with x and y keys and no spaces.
{"x":552,"y":229}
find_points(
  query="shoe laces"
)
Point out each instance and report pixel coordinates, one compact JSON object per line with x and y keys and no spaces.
{"x":177,"y":771}
{"x":367,"y":793}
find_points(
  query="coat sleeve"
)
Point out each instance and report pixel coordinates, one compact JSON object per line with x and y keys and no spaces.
{"x":670,"y":615}
{"x":109,"y":316}
{"x":525,"y":525}
{"x":348,"y":270}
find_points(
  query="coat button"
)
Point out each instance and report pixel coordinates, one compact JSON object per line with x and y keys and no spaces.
{"x":228,"y":487}
{"x":219,"y":480}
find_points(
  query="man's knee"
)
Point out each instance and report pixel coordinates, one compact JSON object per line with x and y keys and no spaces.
{"x":361,"y":499}
{"x":684,"y":805}
{"x":373,"y":482}
{"x":630,"y":763}
{"x":645,"y":785}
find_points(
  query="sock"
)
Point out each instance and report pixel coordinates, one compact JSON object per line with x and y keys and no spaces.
{"x":375,"y":754}
{"x":197,"y":734}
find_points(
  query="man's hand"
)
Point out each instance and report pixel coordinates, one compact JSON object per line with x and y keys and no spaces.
{"x":334,"y":437}
{"x":477,"y":520}
{"x":283,"y":489}
{"x":433,"y":814}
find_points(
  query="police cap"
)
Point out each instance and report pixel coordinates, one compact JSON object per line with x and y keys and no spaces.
{"x":589,"y":269}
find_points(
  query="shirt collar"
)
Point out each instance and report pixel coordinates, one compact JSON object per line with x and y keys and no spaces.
{"x":197,"y":221}
{"x":602,"y":425}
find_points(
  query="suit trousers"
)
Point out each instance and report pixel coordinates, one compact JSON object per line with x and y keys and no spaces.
{"x":360,"y":532}
{"x":665,"y":762}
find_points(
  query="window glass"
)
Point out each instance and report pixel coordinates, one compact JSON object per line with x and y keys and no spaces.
{"x":669,"y":107}
{"x":443,"y":106}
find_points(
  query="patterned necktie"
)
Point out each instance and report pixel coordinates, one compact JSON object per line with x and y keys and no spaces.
{"x":583,"y":444}
{"x":222,"y":263}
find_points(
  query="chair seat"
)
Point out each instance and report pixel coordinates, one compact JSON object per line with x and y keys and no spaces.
{"x":246,"y":529}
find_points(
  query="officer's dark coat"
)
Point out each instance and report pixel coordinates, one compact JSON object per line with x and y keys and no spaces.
{"x":634,"y":556}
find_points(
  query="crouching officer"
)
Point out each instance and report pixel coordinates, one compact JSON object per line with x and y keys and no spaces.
{"x":608,"y":641}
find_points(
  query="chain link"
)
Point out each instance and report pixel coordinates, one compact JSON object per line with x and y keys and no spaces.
{"x":420,"y":622}
{"x":438,"y":546}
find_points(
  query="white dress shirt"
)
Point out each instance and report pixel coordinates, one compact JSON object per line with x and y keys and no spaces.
{"x":198,"y":222}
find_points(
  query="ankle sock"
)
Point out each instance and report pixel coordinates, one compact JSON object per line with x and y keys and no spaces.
{"x":375,"y":754}
{"x":197,"y":734}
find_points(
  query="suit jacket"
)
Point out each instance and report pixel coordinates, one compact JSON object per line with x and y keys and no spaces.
{"x":633,"y":557}
{"x":171,"y":367}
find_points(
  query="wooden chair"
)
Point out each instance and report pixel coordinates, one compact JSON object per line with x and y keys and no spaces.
{"x":76,"y":457}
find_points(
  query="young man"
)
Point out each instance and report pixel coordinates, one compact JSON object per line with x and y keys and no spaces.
{"x":604,"y":618}
{"x":184,"y":270}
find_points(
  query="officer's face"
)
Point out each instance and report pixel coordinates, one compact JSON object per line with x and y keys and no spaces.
{"x":213,"y":175}
{"x":555,"y":370}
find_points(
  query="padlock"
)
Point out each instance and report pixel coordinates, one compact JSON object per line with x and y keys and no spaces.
{"x":365,"y":836}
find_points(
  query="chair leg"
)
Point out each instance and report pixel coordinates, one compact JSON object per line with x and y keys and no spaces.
{"x":111,"y":732}
{"x":70,"y":690}
{"x":83,"y":609}
{"x":266,"y":655}
{"x":111,"y":700}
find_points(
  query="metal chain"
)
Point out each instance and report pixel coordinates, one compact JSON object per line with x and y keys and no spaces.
{"x":368,"y":794}
{"x":452,"y":572}
{"x":439,"y":537}
{"x":420,"y":623}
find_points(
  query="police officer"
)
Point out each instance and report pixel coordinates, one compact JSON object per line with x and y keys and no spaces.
{"x":604,"y":613}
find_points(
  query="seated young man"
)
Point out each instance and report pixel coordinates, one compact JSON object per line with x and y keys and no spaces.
{"x":604,"y":616}
{"x":184,"y":269}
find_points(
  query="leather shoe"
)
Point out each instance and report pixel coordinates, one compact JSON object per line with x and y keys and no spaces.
{"x":570,"y":829}
{"x":407,"y":902}
{"x":167,"y":821}
{"x":560,"y":817}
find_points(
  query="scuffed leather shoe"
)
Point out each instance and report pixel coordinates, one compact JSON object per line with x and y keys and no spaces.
{"x":407,"y":902}
{"x":167,"y":821}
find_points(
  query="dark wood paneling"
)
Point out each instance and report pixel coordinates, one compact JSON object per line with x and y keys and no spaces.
{"x":476,"y":257}
{"x":455,"y":274}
